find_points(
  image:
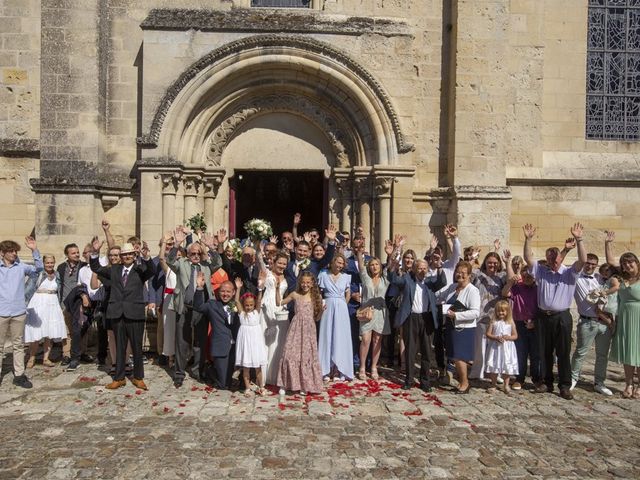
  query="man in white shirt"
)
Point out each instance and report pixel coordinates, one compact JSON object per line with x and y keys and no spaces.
{"x":590,"y":329}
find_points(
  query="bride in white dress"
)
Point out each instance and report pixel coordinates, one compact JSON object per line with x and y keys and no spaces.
{"x":275,"y":318}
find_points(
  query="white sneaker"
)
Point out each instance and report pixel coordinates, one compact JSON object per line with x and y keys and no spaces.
{"x":603,"y":390}
{"x":500,"y":381}
{"x":573,"y":384}
{"x":282,"y":392}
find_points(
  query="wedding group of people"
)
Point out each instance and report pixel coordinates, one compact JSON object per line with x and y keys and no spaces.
{"x":299,"y":312}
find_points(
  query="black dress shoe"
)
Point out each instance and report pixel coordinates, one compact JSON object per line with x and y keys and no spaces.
{"x":426,"y":388}
{"x":84,"y":358}
{"x":163,"y":361}
{"x":566,"y":394}
{"x":406,"y":386}
{"x":178,"y":382}
{"x":65,"y":361}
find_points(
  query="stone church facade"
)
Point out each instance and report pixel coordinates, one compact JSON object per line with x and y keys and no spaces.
{"x":399,"y":115}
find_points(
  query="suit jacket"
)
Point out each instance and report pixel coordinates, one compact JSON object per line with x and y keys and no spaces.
{"x":314,"y":267}
{"x":236,"y":269}
{"x":182,"y":268}
{"x":156,"y":284}
{"x":61,"y":269}
{"x":407,"y":285}
{"x":222,"y":332}
{"x":125,"y":300}
{"x":351,"y":268}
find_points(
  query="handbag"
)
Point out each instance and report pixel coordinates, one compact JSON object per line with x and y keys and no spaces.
{"x":364,"y":314}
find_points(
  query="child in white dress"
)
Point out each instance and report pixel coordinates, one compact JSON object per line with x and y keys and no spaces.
{"x":501,"y":356}
{"x":251,"y":351}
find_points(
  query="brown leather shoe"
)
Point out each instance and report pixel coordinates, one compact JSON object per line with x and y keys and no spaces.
{"x":139,"y":383}
{"x":116,"y":384}
{"x":566,"y":394}
{"x":542,"y":388}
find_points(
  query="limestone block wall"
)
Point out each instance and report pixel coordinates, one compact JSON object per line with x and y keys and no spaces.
{"x":20,"y":69}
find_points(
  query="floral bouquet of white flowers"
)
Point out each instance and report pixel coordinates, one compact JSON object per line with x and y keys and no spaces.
{"x":258,"y":229}
{"x":236,"y":248}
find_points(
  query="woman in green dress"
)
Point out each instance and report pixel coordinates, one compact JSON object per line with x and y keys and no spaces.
{"x":625,"y":345}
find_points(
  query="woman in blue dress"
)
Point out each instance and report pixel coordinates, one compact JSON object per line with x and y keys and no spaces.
{"x":334,"y":346}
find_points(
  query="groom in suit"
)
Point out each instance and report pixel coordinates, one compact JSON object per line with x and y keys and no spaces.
{"x":126,"y":308}
{"x":224,"y":326}
{"x":353,"y":269}
{"x":418,"y":314}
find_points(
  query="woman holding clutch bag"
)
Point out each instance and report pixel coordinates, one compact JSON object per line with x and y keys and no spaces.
{"x":461,"y":311}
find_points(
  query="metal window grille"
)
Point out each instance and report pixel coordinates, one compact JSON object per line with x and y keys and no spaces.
{"x":281,"y":3}
{"x":613,"y":70}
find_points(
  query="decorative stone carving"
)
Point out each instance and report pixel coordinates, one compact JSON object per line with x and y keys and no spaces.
{"x":306,"y":44}
{"x":191,"y":185}
{"x":382,"y":185}
{"x":223,"y":134}
{"x":211,"y":186}
{"x":169,"y":182}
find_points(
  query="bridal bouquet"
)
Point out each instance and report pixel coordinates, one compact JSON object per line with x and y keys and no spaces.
{"x":236,"y":247}
{"x":258,"y":229}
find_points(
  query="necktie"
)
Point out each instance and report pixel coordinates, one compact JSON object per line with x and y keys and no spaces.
{"x":191,"y":288}
{"x":125,"y":276}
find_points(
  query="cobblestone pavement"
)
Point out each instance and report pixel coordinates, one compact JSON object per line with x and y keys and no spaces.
{"x":69,"y":426}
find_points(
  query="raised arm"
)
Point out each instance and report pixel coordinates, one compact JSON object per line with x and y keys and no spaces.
{"x":94,"y":261}
{"x":569,"y":244}
{"x":296,"y":221}
{"x":577,"y":232}
{"x":106,"y":228}
{"x":529,"y":232}
{"x":38,"y":266}
{"x":608,"y":247}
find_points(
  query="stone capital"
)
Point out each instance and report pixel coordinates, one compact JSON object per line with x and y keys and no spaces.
{"x":191,"y":184}
{"x":211,"y":186}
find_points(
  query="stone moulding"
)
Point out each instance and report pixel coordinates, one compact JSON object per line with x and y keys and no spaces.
{"x":261,"y":20}
{"x":573,"y":182}
{"x":463,"y":192}
{"x":13,"y":147}
{"x":221,"y":136}
{"x":150,"y":140}
{"x":60,"y":176}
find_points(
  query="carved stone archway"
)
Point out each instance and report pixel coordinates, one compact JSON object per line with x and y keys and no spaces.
{"x":200,"y":113}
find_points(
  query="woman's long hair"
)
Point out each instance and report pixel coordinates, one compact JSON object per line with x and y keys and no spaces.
{"x":626,"y":257}
{"x":316,"y":297}
{"x":483,"y":267}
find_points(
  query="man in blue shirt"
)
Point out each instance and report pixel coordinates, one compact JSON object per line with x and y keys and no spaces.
{"x":13,"y":308}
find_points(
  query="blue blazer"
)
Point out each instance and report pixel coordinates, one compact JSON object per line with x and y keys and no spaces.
{"x":314,"y":267}
{"x":222,"y":333}
{"x":352,"y":269}
{"x":407,"y":285}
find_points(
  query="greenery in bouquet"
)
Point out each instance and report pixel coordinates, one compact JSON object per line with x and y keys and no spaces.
{"x":197,"y":223}
{"x":258,"y":229}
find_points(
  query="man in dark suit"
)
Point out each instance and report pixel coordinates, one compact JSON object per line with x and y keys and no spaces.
{"x":156,"y":296}
{"x":418,"y":316}
{"x":126,"y":308}
{"x":303,"y":262}
{"x":224,"y":326}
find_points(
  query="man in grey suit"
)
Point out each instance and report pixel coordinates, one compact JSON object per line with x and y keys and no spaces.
{"x":191,"y":328}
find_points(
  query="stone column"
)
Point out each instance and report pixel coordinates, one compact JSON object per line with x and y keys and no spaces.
{"x":383,"y":194}
{"x":211,"y":186}
{"x":169,"y":188}
{"x":363,"y":192}
{"x":191,"y":186}
{"x":345,"y":192}
{"x":150,"y":199}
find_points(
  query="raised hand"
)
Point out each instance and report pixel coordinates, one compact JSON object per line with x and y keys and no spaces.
{"x":273,"y":239}
{"x":210,"y":241}
{"x":496,"y":245}
{"x":297,"y":218}
{"x":506,"y":255}
{"x":610,"y":236}
{"x":388,"y":247}
{"x":179,"y":235}
{"x":221,"y":235}
{"x":200,"y":280}
{"x":433,"y":243}
{"x":307,"y":237}
{"x":288,"y":244}
{"x":167,"y":237}
{"x":105,"y":224}
{"x":450,"y":230}
{"x":30,"y":242}
{"x":529,"y":231}
{"x":570,"y":243}
{"x":96,"y":244}
{"x":577,"y":230}
{"x":330,"y":233}
{"x":238,"y":283}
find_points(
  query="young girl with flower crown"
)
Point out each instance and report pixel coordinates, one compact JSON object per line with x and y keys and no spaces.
{"x":251,"y":351}
{"x":501,"y":356}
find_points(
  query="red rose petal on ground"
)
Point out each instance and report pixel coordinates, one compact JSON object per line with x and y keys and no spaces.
{"x":138,"y":392}
{"x":166,"y":409}
{"x":154,"y":404}
{"x":182,"y":405}
{"x":78,"y":401}
{"x":194,"y":389}
{"x":128,"y":395}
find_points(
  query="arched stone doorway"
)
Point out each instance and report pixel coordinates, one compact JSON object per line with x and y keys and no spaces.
{"x":272,"y":102}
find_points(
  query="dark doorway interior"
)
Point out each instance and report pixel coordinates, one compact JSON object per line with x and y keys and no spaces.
{"x":275,"y":196}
